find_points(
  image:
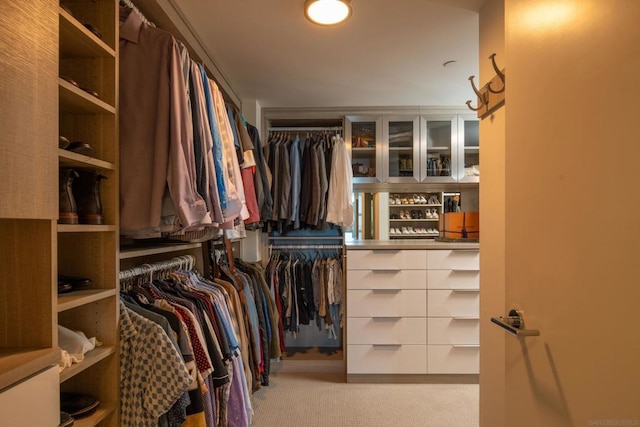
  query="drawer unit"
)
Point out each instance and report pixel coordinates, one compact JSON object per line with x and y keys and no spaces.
{"x":33,"y":402}
{"x":387,"y":279}
{"x":453,"y":279}
{"x":453,"y":260}
{"x":387,"y":359}
{"x":451,"y":303}
{"x":386,"y":259}
{"x":386,"y":303}
{"x":454,"y":359}
{"x":387,"y":330}
{"x":453,"y":330}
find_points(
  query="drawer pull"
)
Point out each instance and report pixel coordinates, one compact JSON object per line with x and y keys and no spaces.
{"x":465,"y":291}
{"x":386,"y":291}
{"x":466,"y":346}
{"x":387,"y":271}
{"x":466,"y":271}
{"x":387,"y":345}
{"x":386,"y":318}
{"x":466,"y":318}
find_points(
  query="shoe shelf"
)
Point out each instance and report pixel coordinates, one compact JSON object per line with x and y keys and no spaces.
{"x":69,"y":159}
{"x":79,"y":298}
{"x":413,"y":219}
{"x":75,"y":100}
{"x":85,"y":228}
{"x":96,"y":418}
{"x":78,"y":41}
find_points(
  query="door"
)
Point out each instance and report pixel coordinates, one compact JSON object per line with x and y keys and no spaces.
{"x":571,"y":213}
{"x":401,"y":135}
{"x":439,"y":144}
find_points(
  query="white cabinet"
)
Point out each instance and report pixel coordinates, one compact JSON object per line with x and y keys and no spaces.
{"x":33,"y":402}
{"x":412,"y":311}
{"x":453,"y":282}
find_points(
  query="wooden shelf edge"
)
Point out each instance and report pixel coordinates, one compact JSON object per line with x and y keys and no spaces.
{"x":17,"y":364}
{"x":101,"y":413}
{"x":140,"y":252}
{"x":85,"y":228}
{"x":90,"y":358}
{"x":71,"y":159}
{"x":79,"y":298}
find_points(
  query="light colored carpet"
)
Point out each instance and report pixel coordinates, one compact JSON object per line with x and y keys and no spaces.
{"x":319,"y":400}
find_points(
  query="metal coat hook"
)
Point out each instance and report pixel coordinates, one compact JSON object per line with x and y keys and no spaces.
{"x":499,"y":73}
{"x":482,"y":97}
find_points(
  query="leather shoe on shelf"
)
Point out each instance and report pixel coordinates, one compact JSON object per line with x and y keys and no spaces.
{"x":87,"y":192}
{"x":64,"y":287}
{"x":63,"y":142}
{"x":68,"y":210}
{"x":76,"y":282}
{"x":66,"y":420}
{"x":81,"y":148}
{"x":78,"y":405}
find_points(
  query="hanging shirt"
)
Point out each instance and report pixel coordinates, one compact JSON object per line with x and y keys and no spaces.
{"x":152,"y":373}
{"x":339,"y":202}
{"x":156,"y":134}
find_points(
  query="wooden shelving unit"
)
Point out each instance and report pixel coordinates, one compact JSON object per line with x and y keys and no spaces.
{"x":83,"y":249}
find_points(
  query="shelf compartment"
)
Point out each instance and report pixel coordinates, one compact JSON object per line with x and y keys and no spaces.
{"x":74,"y":160}
{"x":90,"y":358}
{"x":414,"y":220}
{"x":75,"y":100}
{"x":77,"y":41}
{"x":409,"y":206}
{"x":78,"y":298}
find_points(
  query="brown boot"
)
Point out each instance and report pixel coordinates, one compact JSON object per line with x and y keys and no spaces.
{"x":87,"y":192}
{"x":68,"y":212}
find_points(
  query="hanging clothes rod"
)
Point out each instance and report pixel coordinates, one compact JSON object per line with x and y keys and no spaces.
{"x":306,"y":238}
{"x":305,"y":129}
{"x":185,"y":262}
{"x":278,"y":247}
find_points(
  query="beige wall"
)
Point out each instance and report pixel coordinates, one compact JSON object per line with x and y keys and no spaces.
{"x":492,"y":216}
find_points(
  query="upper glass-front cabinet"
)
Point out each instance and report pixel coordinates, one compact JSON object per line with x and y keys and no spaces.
{"x":469,"y":148}
{"x":365,"y":135}
{"x":402,"y":157}
{"x":439,"y":159}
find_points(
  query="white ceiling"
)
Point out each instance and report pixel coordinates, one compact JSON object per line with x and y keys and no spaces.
{"x":390,"y":53}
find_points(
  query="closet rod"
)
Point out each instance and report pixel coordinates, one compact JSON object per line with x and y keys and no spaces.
{"x":305,"y":129}
{"x":178,"y":263}
{"x":277,"y":247}
{"x":130,"y":5}
{"x":306,"y":238}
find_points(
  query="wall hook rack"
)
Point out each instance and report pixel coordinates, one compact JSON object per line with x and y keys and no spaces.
{"x":489,"y":98}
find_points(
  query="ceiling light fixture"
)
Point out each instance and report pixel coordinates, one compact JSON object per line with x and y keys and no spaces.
{"x":327,"y":12}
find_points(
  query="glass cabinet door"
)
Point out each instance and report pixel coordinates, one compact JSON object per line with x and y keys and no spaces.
{"x":439,"y":148}
{"x":469,"y":148}
{"x":364,"y":134}
{"x":401,"y":136}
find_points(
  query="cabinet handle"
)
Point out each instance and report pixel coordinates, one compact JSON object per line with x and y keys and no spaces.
{"x":466,"y":318}
{"x":387,"y":345}
{"x":465,"y":271}
{"x":386,"y":291}
{"x":386,"y":318}
{"x":465,"y":291}
{"x":392,"y":271}
{"x":466,"y":346}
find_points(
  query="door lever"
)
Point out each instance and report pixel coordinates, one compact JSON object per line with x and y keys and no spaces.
{"x":514,"y":324}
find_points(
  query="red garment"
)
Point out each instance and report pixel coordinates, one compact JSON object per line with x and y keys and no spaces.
{"x":250,"y":195}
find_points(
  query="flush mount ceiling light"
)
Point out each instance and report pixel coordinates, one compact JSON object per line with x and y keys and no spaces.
{"x":327,"y":12}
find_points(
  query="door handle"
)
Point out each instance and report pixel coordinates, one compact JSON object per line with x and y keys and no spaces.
{"x":514,"y":324}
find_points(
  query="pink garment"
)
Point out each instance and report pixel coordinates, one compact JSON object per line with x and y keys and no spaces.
{"x":250,"y":195}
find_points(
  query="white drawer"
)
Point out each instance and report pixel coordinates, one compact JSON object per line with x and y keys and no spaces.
{"x":386,"y":279}
{"x":453,"y":260}
{"x":385,"y":259}
{"x":453,"y":279}
{"x":452,"y":359}
{"x":386,"y":330}
{"x":387,"y":359}
{"x":451,"y":330}
{"x":34,"y":402}
{"x":450,"y":303}
{"x":381,"y":303}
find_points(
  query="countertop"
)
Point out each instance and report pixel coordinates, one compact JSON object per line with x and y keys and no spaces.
{"x":408,"y":244}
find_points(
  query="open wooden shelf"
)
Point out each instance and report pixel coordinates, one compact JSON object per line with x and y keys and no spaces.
{"x":77,"y":41}
{"x":70,"y":159}
{"x":90,"y":358}
{"x":75,"y":100}
{"x":140,"y":252}
{"x":85,"y":228}
{"x":78,"y":298}
{"x":101,"y":413}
